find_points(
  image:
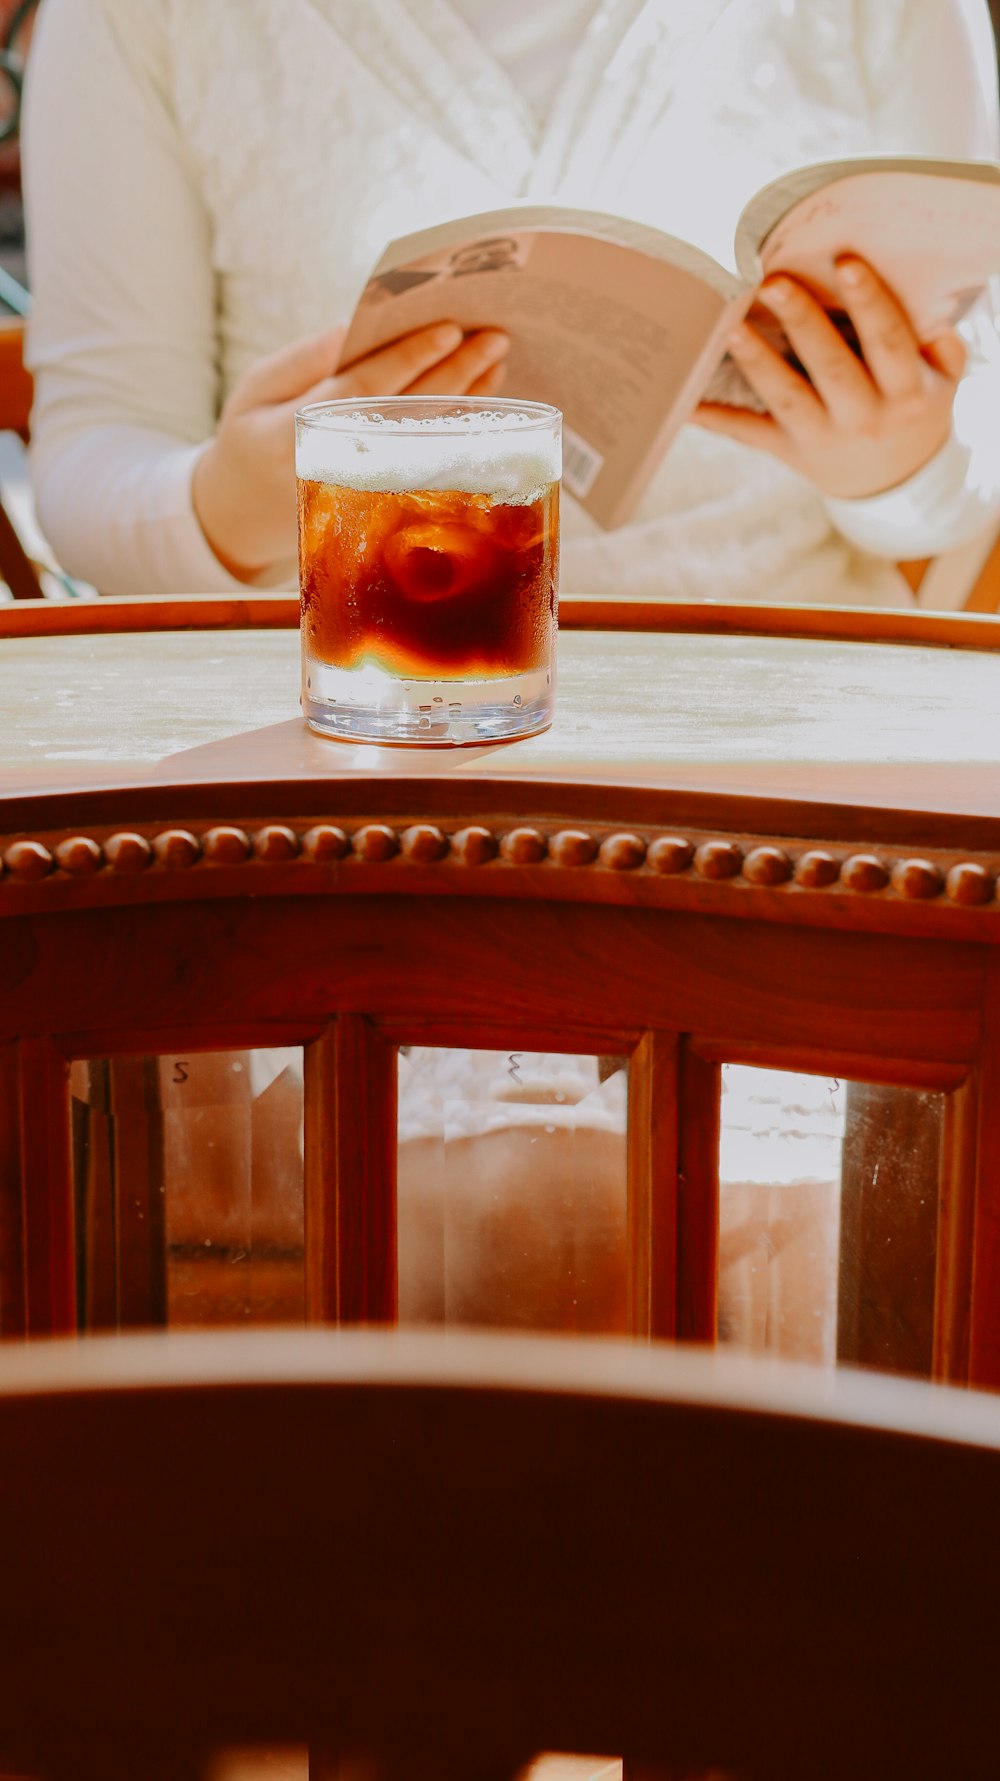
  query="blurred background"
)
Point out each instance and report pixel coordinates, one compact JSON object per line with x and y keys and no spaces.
{"x":16,"y":20}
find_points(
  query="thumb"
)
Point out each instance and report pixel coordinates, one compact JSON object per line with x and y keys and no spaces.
{"x":286,"y":375}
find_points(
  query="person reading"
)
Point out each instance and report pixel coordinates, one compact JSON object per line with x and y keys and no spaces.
{"x":207,"y":189}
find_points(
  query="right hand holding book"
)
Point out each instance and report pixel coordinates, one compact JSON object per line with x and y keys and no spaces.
{"x":854,"y":422}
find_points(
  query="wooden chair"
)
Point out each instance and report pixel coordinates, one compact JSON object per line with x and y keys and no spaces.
{"x":440,"y":1555}
{"x":17,"y":568}
{"x":971,"y":582}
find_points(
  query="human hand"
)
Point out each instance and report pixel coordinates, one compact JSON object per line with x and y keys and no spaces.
{"x":859,"y":427}
{"x":244,"y":482}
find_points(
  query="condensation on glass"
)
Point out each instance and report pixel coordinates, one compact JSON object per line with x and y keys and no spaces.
{"x":828,"y":1195}
{"x":189,"y":1189}
{"x":512,"y":1189}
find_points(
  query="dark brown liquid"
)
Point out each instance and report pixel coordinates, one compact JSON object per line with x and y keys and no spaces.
{"x":434,"y":584}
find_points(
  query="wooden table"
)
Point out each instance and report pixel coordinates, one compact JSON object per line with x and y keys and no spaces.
{"x":779,"y":851}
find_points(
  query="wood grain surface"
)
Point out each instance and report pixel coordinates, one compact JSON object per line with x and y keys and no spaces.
{"x":844,"y":723}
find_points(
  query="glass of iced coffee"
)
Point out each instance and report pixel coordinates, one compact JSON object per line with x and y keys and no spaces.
{"x":428,"y":568}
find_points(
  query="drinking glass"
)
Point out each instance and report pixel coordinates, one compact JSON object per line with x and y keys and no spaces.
{"x":428,"y":568}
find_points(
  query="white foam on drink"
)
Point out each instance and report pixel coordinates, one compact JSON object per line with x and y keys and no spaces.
{"x":506,"y":455}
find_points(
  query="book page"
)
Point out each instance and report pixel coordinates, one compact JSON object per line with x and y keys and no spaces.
{"x":930,"y":229}
{"x":613,"y":336}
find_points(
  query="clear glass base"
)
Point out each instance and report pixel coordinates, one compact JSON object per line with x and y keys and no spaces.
{"x":368,"y":705}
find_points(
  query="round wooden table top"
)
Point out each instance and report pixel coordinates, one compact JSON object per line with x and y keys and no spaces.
{"x":766,"y":716}
{"x":887,"y":749}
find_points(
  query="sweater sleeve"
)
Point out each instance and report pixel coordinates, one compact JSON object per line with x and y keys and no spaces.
{"x":932,"y":87}
{"x":121,"y":337}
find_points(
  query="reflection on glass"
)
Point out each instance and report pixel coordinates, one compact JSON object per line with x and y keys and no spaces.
{"x":889,"y":1213}
{"x":779,"y":1211}
{"x":827,"y":1218}
{"x":189,"y":1189}
{"x":512,"y":1187}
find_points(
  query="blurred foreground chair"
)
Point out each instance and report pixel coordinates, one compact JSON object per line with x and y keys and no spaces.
{"x":440,"y":1554}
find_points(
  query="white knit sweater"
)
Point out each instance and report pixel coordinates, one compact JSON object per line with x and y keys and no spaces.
{"x":208,"y":179}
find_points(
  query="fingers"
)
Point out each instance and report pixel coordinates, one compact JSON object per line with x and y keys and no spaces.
{"x":784,"y":393}
{"x":947,"y":355}
{"x":891,"y":348}
{"x":284,"y":375}
{"x":741,"y":424}
{"x":475,"y":368}
{"x":328,"y":389}
{"x":840,"y":380}
{"x":852,"y":427}
{"x":434,"y":361}
{"x":490,"y":382}
{"x":478,"y":355}
{"x":394,"y":367}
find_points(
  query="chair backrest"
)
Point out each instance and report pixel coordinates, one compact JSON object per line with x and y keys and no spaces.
{"x":16,"y":382}
{"x":454,"y":1550}
{"x":16,"y":391}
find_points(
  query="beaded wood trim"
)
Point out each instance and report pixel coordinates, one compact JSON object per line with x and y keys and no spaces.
{"x":749,"y":864}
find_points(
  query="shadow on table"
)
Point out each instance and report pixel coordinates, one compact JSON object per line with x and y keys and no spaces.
{"x":289,"y":750}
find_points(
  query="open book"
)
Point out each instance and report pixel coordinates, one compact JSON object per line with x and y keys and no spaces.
{"x":624,"y":327}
